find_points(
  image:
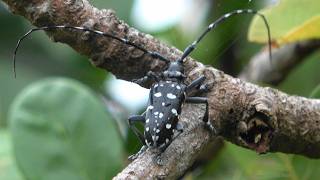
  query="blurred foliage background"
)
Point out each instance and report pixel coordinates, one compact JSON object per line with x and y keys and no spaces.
{"x":54,"y":123}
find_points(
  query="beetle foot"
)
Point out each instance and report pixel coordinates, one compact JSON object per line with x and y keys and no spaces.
{"x":136,"y":155}
{"x":204,"y":88}
{"x":208,"y":126}
{"x":158,"y":160}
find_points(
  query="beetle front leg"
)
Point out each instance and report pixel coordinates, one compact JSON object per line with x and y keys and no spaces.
{"x":150,"y":76}
{"x":202,"y":100}
{"x":196,"y":83}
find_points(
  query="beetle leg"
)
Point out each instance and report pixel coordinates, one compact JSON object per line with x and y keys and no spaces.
{"x":179,"y":128}
{"x":134,"y":119}
{"x":137,"y":118}
{"x":202,"y":100}
{"x":204,"y":88}
{"x":150,"y":76}
{"x":135,"y":156}
{"x":195,"y":83}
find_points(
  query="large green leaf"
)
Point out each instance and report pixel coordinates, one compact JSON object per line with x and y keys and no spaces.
{"x":290,"y":21}
{"x":61,"y":131}
{"x":8,"y":169}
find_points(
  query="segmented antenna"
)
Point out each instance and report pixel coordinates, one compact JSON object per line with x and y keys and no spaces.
{"x":45,"y":28}
{"x":192,"y":46}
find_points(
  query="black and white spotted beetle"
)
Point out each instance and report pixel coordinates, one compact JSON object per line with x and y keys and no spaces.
{"x":168,"y":92}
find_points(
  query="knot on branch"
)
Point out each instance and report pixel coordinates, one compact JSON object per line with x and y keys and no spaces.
{"x":255,"y":131}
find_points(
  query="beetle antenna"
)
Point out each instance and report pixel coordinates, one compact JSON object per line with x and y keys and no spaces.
{"x":125,"y":41}
{"x":213,"y":25}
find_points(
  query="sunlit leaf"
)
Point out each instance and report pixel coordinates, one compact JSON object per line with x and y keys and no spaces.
{"x":307,"y":30}
{"x":61,"y":131}
{"x":289,"y":20}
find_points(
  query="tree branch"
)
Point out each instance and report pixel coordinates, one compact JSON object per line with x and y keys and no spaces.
{"x":284,"y":60}
{"x":260,"y":70}
{"x":262,"y":119}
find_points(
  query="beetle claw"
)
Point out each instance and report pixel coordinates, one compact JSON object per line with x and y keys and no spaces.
{"x":210,"y":127}
{"x":159,"y":160}
{"x":136,"y":155}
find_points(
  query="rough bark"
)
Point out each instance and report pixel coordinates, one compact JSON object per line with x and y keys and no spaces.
{"x":258,"y":118}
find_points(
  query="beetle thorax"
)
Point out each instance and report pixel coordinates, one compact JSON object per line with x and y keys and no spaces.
{"x":175,"y":71}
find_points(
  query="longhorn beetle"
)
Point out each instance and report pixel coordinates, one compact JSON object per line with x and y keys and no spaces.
{"x":168,"y":91}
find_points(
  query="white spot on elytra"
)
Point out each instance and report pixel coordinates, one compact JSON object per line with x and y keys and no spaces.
{"x":158,"y":130}
{"x":161,"y":85}
{"x":172,"y":85}
{"x":168,"y":126}
{"x":158,"y":94}
{"x":156,"y":85}
{"x":160,"y":115}
{"x":154,"y":129}
{"x":171,"y":96}
{"x":167,"y":140}
{"x":147,"y":121}
{"x":178,"y":87}
{"x":150,"y":107}
{"x":158,"y":124}
{"x":163,"y":104}
{"x":157,"y":137}
{"x":147,"y":129}
{"x":174,"y":111}
{"x":156,"y":113}
{"x":153,"y":138}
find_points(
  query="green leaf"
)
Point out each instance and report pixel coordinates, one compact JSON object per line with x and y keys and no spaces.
{"x":8,"y":169}
{"x":251,"y":165}
{"x":61,"y":131}
{"x":316,"y":92}
{"x":306,"y":168}
{"x":289,"y":20}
